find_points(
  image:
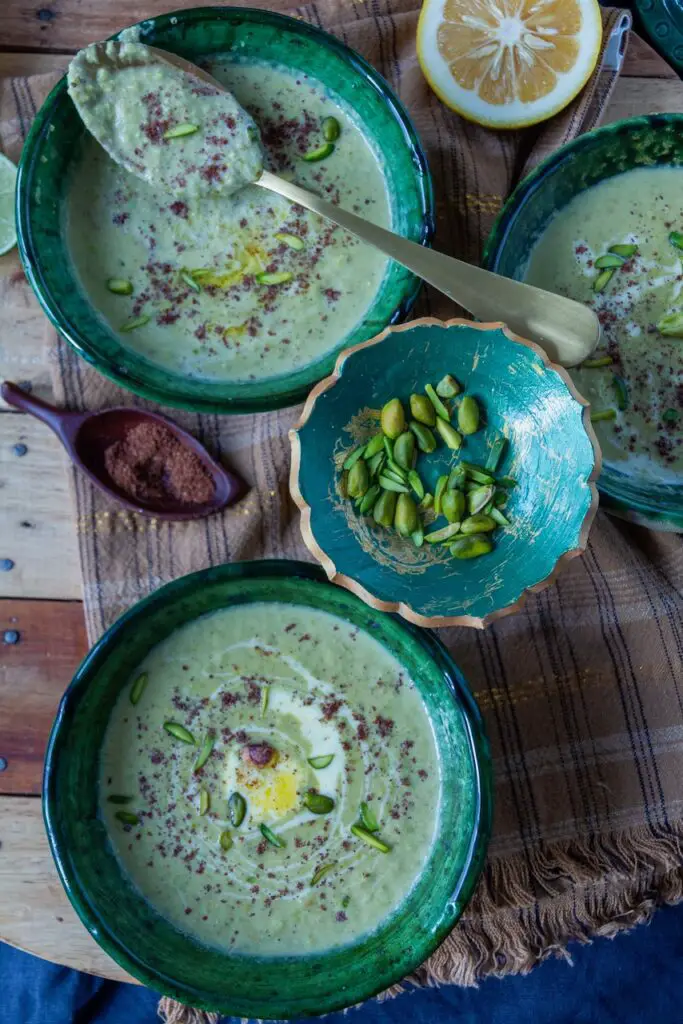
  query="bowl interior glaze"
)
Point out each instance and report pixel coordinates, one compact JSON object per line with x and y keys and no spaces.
{"x":648,"y":141}
{"x":53,"y":146}
{"x":551,"y":454}
{"x":173,"y":963}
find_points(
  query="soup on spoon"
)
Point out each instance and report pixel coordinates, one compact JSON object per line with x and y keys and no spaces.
{"x":138,"y":106}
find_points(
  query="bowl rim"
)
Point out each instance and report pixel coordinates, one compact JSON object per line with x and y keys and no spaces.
{"x":401,"y":608}
{"x":397,"y":968}
{"x":137,"y":382}
{"x":648,"y":510}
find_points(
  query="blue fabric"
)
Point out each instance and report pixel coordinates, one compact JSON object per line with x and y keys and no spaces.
{"x":632,"y":979}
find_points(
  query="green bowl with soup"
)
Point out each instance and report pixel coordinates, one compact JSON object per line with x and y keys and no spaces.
{"x":601,"y":220}
{"x":166,"y":295}
{"x":264,"y":798}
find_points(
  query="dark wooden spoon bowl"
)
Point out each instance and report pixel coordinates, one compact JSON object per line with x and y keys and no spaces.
{"x":86,"y":436}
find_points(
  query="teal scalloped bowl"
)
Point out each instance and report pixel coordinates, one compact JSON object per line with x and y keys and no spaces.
{"x":169,"y":961}
{"x":53,"y":143}
{"x":646,"y":141}
{"x":552,"y":453}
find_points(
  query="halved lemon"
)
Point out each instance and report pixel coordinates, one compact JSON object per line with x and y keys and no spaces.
{"x":508,"y":63}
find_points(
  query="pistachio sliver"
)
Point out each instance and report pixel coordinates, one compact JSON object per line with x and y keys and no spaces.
{"x":426,"y":441}
{"x":406,"y":518}
{"x":205,"y":752}
{"x":393,"y":420}
{"x":323,"y":870}
{"x":237,"y":808}
{"x":374,"y":446}
{"x":274,"y":277}
{"x":416,"y":484}
{"x":496,"y":453}
{"x":473,"y":546}
{"x":676,"y":239}
{"x":508,"y":482}
{"x":291,"y":241}
{"x":602,"y":280}
{"x":609,"y":261}
{"x":117,"y":798}
{"x":190,"y":281}
{"x":427,"y":502}
{"x":331,"y":129}
{"x":321,"y":153}
{"x":449,"y":435}
{"x":468,"y":415}
{"x":132,"y":325}
{"x":265,"y":699}
{"x":448,"y":387}
{"x":127,"y":818}
{"x":479,"y":497}
{"x":671,"y":325}
{"x":445,"y":533}
{"x":368,"y":500}
{"x":597,"y":363}
{"x":439,"y":491}
{"x":478,"y":473}
{"x":204,"y":802}
{"x":370,"y":839}
{"x":271,"y":837}
{"x":376,"y":463}
{"x":453,"y":506}
{"x":439,"y":407}
{"x":138,"y":687}
{"x":422,"y":410}
{"x":418,"y":536}
{"x":383,"y":512}
{"x":603,"y":414}
{"x":626,"y":250}
{"x":119,"y":286}
{"x":225,"y":840}
{"x":179,"y":732}
{"x":321,"y":760}
{"x":181,"y":130}
{"x":620,"y":391}
{"x":457,"y":478}
{"x":479,"y":523}
{"x":499,"y":517}
{"x":387,"y":484}
{"x":368,"y":817}
{"x":359,"y":479}
{"x":318,"y":803}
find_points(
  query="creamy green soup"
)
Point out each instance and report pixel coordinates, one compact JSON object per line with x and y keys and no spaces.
{"x":643,"y":383}
{"x":179,"y":132}
{"x":239,"y":287}
{"x":298,"y":706}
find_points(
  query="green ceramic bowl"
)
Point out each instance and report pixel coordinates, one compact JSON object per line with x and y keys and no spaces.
{"x":52,"y":146}
{"x":173,"y":963}
{"x":637,"y":142}
{"x":552,"y":454}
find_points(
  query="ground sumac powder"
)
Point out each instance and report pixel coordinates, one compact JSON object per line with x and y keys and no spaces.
{"x":151,"y":463}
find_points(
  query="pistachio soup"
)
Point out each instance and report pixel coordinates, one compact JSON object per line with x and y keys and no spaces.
{"x":244,"y":286}
{"x":618,"y":247}
{"x":270,"y":781}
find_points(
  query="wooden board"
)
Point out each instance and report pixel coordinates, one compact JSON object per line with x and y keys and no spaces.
{"x":33,"y":675}
{"x":34,"y":912}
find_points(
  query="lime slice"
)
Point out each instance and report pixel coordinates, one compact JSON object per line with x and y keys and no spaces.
{"x":8,"y":180}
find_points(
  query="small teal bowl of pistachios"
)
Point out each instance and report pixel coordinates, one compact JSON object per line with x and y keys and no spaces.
{"x":445,"y":470}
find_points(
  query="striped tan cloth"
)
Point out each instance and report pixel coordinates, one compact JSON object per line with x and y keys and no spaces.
{"x":582,"y":690}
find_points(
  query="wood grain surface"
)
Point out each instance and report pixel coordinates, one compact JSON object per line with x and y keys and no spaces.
{"x":33,"y":674}
{"x":37,"y":532}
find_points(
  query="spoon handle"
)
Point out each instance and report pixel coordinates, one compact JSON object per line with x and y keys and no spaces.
{"x":567,"y":330}
{"x":60,"y":421}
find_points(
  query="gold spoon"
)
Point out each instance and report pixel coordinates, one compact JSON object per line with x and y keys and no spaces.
{"x":567,"y":330}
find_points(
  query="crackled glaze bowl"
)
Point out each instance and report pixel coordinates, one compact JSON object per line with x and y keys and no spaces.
{"x":655,"y":140}
{"x":51,"y":152}
{"x":552,"y":454}
{"x":172,"y":961}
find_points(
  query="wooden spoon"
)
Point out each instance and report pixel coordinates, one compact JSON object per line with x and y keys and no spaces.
{"x":86,"y":436}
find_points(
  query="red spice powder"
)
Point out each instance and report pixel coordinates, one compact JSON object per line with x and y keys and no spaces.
{"x":151,"y":463}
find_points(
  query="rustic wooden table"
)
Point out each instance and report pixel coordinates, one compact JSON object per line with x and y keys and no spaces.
{"x":40,"y":581}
